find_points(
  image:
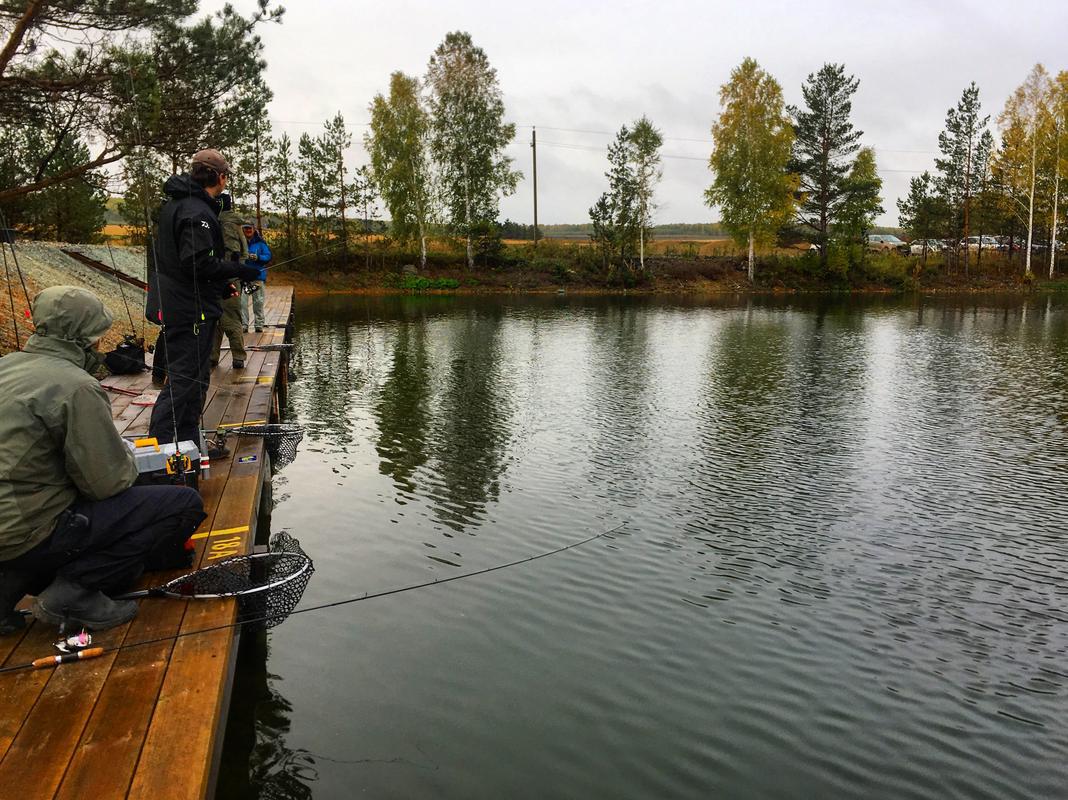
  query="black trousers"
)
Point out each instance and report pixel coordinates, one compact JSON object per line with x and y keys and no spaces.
{"x":188,"y":365}
{"x":159,"y":358}
{"x":140,"y":528}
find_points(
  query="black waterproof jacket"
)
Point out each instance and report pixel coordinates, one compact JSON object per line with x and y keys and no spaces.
{"x":191,"y":273}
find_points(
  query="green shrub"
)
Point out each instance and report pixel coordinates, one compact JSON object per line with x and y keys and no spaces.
{"x":418,"y":283}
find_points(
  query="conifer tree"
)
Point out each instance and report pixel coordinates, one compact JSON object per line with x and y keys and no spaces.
{"x":824,"y":143}
{"x":752,"y":138}
{"x":282,"y":187}
{"x":335,"y":140}
{"x":863,"y":202}
{"x":922,"y":212}
{"x":966,"y":145}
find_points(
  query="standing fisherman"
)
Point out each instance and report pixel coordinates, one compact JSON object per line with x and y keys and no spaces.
{"x":236,"y":249}
{"x":259,"y":256}
{"x":190,"y":280}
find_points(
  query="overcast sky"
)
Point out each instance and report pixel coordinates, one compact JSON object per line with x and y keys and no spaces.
{"x":579,"y":69}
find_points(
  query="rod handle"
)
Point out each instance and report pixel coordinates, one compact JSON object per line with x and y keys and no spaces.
{"x":51,"y":661}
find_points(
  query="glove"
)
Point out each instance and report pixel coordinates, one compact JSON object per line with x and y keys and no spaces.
{"x":248,"y":273}
{"x":230,"y":290}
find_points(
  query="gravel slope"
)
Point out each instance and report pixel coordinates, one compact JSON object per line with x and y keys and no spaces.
{"x":44,"y":264}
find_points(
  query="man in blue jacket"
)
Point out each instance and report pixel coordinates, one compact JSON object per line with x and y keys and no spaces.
{"x":259,"y":255}
{"x":190,"y":279}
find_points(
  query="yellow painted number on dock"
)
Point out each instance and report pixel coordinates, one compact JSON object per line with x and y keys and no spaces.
{"x":224,"y":548}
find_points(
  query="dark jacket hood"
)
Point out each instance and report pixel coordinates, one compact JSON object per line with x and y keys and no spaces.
{"x":180,"y":186}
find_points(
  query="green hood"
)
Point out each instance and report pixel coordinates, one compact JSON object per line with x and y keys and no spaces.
{"x":67,"y":320}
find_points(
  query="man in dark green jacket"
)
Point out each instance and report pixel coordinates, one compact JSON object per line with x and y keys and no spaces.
{"x":235,"y":248}
{"x":71,"y":521}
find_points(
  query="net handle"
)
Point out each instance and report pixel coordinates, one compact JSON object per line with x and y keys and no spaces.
{"x":163,"y":591}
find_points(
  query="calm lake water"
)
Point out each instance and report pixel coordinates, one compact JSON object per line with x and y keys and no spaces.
{"x":842,"y":572}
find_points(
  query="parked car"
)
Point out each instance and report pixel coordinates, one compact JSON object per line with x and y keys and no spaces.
{"x":885,"y":243}
{"x":975,"y":243}
{"x":933,"y":246}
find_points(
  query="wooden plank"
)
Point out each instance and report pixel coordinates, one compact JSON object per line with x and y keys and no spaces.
{"x":52,"y":729}
{"x":135,"y":708}
{"x":195,"y":680}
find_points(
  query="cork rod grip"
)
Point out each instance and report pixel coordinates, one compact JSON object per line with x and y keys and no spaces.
{"x":51,"y":661}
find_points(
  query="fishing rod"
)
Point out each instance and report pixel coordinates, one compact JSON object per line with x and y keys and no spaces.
{"x":94,"y":652}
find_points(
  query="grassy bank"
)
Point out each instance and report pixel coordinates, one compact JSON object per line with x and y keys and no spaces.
{"x":674,"y":267}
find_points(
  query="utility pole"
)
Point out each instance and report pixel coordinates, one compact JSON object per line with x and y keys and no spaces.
{"x":534,"y":148}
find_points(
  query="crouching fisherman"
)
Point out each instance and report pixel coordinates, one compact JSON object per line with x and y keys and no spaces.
{"x":73,"y":527}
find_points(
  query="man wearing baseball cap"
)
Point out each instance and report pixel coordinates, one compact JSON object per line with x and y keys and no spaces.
{"x":191,"y":278}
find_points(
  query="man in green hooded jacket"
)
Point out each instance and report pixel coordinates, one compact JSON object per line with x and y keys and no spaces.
{"x":73,"y":527}
{"x":235,"y":248}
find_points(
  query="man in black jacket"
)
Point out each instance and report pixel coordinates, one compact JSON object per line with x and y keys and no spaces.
{"x":191,"y":277}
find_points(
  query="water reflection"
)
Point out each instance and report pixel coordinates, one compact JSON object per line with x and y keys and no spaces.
{"x":845,"y":567}
{"x":618,"y":403}
{"x":470,"y":432}
{"x":402,"y":408}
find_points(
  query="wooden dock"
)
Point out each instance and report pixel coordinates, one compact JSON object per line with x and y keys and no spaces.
{"x":148,"y":722}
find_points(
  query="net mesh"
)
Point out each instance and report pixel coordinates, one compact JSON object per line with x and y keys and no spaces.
{"x":268,"y":586}
{"x":287,"y":575}
{"x":280,"y":438}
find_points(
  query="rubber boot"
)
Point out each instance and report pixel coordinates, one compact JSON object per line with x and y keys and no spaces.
{"x":14,"y":585}
{"x":67,"y":602}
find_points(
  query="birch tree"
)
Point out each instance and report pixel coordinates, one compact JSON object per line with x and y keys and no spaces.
{"x":645,"y":142}
{"x":468,"y":135}
{"x":752,"y":141}
{"x":1026,"y":110}
{"x":1058,"y":112}
{"x":398,"y":144}
{"x":614,"y":216}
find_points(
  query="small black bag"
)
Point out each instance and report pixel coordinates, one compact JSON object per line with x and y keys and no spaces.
{"x":128,"y":358}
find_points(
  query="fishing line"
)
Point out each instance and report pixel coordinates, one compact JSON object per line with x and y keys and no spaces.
{"x":118,"y":280}
{"x":15,"y":258}
{"x":151,"y":239}
{"x":99,"y":651}
{"x":11,"y":295}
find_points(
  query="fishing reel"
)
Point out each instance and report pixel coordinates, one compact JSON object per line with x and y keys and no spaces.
{"x":250,"y":288}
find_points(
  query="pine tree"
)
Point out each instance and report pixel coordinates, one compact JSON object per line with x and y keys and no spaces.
{"x":314,"y":188}
{"x":469,"y":135}
{"x":335,"y":140}
{"x":282,"y":187}
{"x":863,"y":202}
{"x":824,"y":142}
{"x":966,"y":145}
{"x":752,"y":138}
{"x":254,"y":158}
{"x":922,"y":212}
